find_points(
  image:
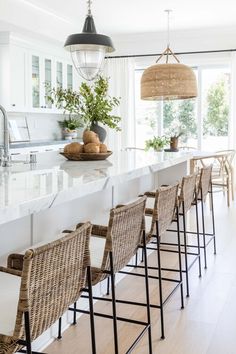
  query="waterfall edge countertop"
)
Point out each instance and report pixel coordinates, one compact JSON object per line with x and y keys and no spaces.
{"x":26,"y":189}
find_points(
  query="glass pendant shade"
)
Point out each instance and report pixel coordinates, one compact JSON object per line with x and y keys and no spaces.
{"x":88,"y":50}
{"x":88,"y":60}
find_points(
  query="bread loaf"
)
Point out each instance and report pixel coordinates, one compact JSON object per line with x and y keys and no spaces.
{"x":92,"y":148}
{"x":90,"y":137}
{"x":103,"y":148}
{"x":73,"y":148}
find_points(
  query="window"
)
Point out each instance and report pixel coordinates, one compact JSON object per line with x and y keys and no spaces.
{"x":215,"y":108}
{"x":202,"y":126}
{"x":179,"y":117}
{"x":148,"y":115}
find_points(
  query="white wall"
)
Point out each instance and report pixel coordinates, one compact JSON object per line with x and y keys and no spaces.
{"x":181,"y":41}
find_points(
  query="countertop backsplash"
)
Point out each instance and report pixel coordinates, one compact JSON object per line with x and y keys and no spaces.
{"x":42,"y":127}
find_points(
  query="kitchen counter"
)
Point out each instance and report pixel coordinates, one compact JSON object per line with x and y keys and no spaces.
{"x":29,"y":188}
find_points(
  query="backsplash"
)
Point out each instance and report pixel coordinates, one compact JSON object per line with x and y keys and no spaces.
{"x":41,"y":126}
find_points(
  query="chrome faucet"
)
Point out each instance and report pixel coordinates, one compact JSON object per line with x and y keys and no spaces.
{"x":6,"y":147}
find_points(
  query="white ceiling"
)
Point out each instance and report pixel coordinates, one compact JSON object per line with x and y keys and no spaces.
{"x":58,"y":18}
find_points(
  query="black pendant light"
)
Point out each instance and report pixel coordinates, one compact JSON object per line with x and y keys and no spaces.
{"x":88,"y":49}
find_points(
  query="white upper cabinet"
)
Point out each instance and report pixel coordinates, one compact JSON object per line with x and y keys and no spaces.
{"x":28,"y":76}
{"x":45,"y":73}
{"x":17,"y":92}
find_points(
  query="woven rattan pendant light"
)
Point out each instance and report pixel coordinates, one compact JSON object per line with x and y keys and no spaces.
{"x":168,"y":81}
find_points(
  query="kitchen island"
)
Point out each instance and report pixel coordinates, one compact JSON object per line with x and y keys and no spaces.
{"x":38,"y":201}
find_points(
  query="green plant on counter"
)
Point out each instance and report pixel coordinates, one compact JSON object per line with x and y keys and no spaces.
{"x":70,"y":124}
{"x":157,"y":143}
{"x":90,"y":105}
{"x":67,"y":100}
{"x":96,"y":105}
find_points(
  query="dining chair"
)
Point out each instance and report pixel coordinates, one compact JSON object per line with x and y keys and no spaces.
{"x":223,"y":174}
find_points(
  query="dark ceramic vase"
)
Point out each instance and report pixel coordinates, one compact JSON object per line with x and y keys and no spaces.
{"x":100,"y":131}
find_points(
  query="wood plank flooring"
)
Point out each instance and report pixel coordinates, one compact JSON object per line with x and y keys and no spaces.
{"x":207,"y":325}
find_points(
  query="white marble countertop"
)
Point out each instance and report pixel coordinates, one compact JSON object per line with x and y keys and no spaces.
{"x":27,"y":189}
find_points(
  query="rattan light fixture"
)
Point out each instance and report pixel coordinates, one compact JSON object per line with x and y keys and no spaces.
{"x":168,"y":81}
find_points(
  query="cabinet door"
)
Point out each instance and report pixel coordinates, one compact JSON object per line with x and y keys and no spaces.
{"x":69,"y":76}
{"x":17,"y":99}
{"x":47,"y":64}
{"x":35,"y":81}
{"x":59,"y":74}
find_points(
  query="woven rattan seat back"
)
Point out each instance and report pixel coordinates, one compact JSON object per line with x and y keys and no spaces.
{"x":164,"y":208}
{"x":187,"y":193}
{"x":52,"y":278}
{"x":124,"y":233}
{"x":204,"y":182}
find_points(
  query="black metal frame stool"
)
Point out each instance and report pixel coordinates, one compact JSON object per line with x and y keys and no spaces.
{"x":119,"y":242}
{"x":187,"y":197}
{"x":164,"y":211}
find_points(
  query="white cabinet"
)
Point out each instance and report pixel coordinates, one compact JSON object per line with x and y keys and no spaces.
{"x":17,"y":99}
{"x":45,"y":73}
{"x":25,"y":69}
{"x":40,"y":79}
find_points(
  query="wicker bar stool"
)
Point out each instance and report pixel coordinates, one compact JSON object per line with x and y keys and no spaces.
{"x":186,"y":198}
{"x":204,"y":189}
{"x":112,"y":248}
{"x":39,"y":286}
{"x":165,"y":209}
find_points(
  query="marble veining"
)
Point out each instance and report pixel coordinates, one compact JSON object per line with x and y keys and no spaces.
{"x":27,"y":189}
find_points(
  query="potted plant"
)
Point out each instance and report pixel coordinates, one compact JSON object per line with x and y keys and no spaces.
{"x":96,"y":105}
{"x":156,"y":143}
{"x":67,"y":100}
{"x":70,"y":127}
{"x":174,"y":141}
{"x":175,"y":132}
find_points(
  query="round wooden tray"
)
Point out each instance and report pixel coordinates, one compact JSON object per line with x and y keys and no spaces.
{"x":87,"y":157}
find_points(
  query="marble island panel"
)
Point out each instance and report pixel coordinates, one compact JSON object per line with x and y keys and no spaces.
{"x":27,"y":189}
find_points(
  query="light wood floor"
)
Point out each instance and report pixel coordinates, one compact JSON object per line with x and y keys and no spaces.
{"x":207,"y":325}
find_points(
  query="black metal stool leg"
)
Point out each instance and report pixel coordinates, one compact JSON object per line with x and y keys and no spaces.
{"x":74,"y":314}
{"x":180,"y":261}
{"x":198,"y":239}
{"x":59,"y":329}
{"x":92,"y":324}
{"x":136,"y":259}
{"x":147,"y":293}
{"x":142,"y":257}
{"x":108,"y":285}
{"x":27,"y":333}
{"x":160,"y":282}
{"x":114,"y":305}
{"x":185,"y":252}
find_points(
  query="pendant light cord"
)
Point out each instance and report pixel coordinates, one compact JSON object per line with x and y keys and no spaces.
{"x":89,"y":2}
{"x":168,"y":33}
{"x":168,"y":51}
